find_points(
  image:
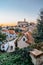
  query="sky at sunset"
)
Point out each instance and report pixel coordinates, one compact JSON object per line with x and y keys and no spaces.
{"x":12,"y":11}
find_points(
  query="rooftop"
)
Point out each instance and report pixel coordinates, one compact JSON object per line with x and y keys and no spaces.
{"x":29,"y":38}
{"x":9,"y":31}
{"x":36,"y":53}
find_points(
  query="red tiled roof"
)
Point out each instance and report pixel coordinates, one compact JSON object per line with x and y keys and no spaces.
{"x":9,"y":31}
{"x":36,"y":53}
{"x":5,"y":30}
{"x":29,"y":37}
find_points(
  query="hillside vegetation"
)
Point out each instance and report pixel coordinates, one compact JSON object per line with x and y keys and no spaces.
{"x":19,"y":57}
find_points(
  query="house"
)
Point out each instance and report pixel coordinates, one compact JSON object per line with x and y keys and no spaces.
{"x":30,"y":39}
{"x":22,"y":42}
{"x":32,"y":27}
{"x":23,"y":25}
{"x":37,"y":57}
{"x":8,"y":46}
{"x":25,"y":40}
{"x":10,"y":34}
{"x":4,"y":28}
{"x":11,"y":46}
{"x":4,"y":46}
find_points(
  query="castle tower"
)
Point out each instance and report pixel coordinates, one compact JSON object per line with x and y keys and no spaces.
{"x":24,"y":20}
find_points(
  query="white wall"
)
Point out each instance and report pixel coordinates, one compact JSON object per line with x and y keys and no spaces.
{"x":38,"y":60}
{"x":33,"y":59}
{"x":21,"y":43}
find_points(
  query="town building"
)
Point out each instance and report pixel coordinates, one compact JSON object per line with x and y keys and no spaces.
{"x":25,"y":40}
{"x":30,"y":39}
{"x":23,"y":25}
{"x":8,"y":46}
{"x":37,"y":57}
{"x":22,"y":42}
{"x":10,"y":34}
{"x":32,"y":27}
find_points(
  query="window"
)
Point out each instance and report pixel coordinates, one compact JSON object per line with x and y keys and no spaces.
{"x":11,"y":47}
{"x":23,"y":39}
{"x":2,"y":46}
{"x":10,"y":36}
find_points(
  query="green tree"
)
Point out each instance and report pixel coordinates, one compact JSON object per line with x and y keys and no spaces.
{"x":18,"y":57}
{"x":0,"y":28}
{"x":17,"y":30}
{"x":39,"y":36}
{"x":2,"y":37}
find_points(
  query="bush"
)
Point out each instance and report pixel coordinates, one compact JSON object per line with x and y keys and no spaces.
{"x":19,"y":57}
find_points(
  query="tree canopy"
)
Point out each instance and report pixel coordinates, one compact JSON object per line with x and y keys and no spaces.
{"x":0,"y":28}
{"x":2,"y":37}
{"x":39,"y":36}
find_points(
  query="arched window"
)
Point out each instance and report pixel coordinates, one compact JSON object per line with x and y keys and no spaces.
{"x":11,"y":47}
{"x":23,"y":39}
